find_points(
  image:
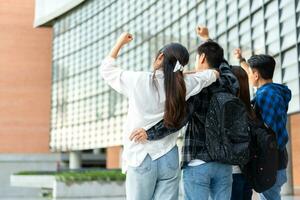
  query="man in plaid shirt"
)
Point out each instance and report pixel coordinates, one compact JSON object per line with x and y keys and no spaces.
{"x":201,"y":175}
{"x":272,"y":102}
{"x":194,"y":136}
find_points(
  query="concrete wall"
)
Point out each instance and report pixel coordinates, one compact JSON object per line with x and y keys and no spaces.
{"x":48,"y":10}
{"x":25,"y":80}
{"x":13,"y":163}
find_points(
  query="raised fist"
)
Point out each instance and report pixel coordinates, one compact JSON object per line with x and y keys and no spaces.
{"x":125,"y":38}
{"x":202,"y":31}
{"x":238,"y":53}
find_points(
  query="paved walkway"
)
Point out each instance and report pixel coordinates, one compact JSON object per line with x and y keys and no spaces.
{"x":254,"y":198}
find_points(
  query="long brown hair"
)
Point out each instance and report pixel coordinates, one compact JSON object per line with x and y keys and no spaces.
{"x":244,"y":93}
{"x":175,"y":90}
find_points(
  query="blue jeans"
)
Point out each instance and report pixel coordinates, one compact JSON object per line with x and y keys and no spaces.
{"x":274,"y":192}
{"x":154,"y":179}
{"x":214,"y":179}
{"x":241,"y":190}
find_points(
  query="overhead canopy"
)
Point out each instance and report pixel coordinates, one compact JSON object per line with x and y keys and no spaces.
{"x":47,"y":10}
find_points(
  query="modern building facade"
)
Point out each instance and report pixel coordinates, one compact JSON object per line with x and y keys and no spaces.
{"x":87,"y":114}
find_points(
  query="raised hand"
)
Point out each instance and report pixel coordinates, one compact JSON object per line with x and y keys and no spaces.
{"x":238,"y":53}
{"x":202,"y":32}
{"x":124,"y":38}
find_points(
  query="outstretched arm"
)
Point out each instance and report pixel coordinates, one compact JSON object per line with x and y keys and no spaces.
{"x":119,"y":79}
{"x":122,"y":40}
{"x":159,"y":130}
{"x":238,"y":55}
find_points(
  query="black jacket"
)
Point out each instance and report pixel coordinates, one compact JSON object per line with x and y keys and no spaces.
{"x":194,"y":137}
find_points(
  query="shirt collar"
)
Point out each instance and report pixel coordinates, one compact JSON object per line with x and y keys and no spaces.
{"x":159,"y":73}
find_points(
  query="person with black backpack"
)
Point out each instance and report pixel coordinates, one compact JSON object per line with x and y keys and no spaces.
{"x":271,"y":105}
{"x":152,"y":169}
{"x":207,"y":166}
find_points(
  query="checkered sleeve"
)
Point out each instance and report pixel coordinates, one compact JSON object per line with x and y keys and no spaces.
{"x":159,"y":131}
{"x":267,"y":108}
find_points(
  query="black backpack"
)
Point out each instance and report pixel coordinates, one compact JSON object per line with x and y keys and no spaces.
{"x":261,"y":170}
{"x":226,"y":129}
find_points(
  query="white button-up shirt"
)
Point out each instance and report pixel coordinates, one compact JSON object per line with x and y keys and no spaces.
{"x":146,"y":106}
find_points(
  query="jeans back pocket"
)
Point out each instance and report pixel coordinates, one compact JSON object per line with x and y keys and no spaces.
{"x":145,"y":166}
{"x":172,"y":158}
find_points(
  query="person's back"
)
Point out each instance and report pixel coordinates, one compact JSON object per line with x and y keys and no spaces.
{"x":152,"y":97}
{"x":271,"y":104}
{"x":197,"y":119}
{"x":146,"y":107}
{"x":201,"y":176}
{"x":272,"y":100}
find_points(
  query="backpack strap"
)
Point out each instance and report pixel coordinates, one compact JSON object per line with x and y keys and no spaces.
{"x":256,"y":109}
{"x":259,"y":117}
{"x":216,"y":88}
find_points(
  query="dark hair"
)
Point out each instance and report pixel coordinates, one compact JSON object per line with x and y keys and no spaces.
{"x":214,"y":53}
{"x":264,"y":64}
{"x":175,"y":90}
{"x":243,"y":92}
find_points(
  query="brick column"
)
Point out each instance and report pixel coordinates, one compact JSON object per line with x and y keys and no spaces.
{"x":295,"y":144}
{"x":113,"y":157}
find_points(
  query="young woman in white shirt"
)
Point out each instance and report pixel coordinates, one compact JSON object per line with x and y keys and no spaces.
{"x":152,"y":168}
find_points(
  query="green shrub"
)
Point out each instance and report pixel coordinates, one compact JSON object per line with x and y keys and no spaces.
{"x":70,"y":177}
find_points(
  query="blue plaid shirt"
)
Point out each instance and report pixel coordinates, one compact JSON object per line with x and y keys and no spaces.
{"x":272,"y":101}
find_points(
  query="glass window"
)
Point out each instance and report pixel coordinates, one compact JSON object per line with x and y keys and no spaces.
{"x":258,"y":45}
{"x":222,"y":40}
{"x":232,"y":7}
{"x":273,"y":47}
{"x":256,"y":4}
{"x":221,"y":27}
{"x":257,"y":18}
{"x":211,"y":12}
{"x":221,"y":6}
{"x":258,"y":31}
{"x":272,"y":35}
{"x":286,"y":26}
{"x":287,"y":9}
{"x":288,"y":40}
{"x":233,"y":38}
{"x":290,"y":58}
{"x":272,"y":22}
{"x":244,"y":10}
{"x":290,"y":73}
{"x":271,"y":8}
{"x":232,"y":19}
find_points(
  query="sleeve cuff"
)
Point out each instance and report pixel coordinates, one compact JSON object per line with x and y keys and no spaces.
{"x":150,"y":134}
{"x":110,"y":59}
